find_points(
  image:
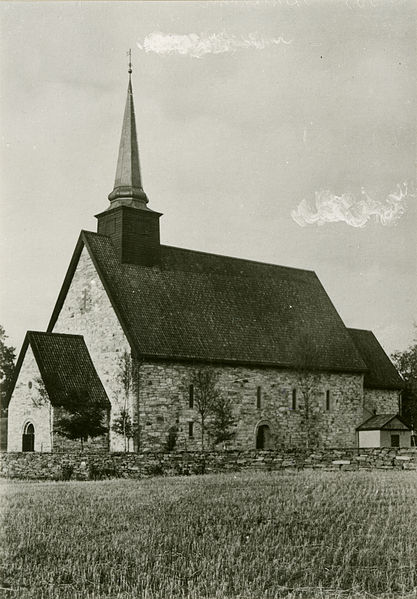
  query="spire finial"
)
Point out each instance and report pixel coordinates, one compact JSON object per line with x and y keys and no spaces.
{"x":129,"y":53}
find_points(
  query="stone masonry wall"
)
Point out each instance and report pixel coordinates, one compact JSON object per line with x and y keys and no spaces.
{"x":164,"y":395}
{"x":380,"y":401}
{"x":83,"y":466}
{"x":29,"y":404}
{"x":87,"y":311}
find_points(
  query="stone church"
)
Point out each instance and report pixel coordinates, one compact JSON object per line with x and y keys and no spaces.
{"x":135,"y":318}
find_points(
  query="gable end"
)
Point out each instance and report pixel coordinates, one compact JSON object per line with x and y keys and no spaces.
{"x":81,"y":243}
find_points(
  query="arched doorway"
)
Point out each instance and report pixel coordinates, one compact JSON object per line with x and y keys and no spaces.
{"x":28,"y":437}
{"x":263,"y":436}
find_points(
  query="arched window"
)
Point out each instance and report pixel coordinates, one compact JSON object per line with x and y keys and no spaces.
{"x":28,"y":437}
{"x":263,"y":436}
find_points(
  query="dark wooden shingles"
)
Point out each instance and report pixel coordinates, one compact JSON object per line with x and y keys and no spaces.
{"x":208,"y":307}
{"x":66,"y":366}
{"x":381,"y":374}
{"x":381,"y":421}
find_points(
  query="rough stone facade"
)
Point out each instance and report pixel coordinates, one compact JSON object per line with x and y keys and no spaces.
{"x":87,"y":311}
{"x":381,"y":401}
{"x":164,"y":403}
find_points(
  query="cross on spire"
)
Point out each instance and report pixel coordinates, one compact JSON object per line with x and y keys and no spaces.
{"x":129,"y":54}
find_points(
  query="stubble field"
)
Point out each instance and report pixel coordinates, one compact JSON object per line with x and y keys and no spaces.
{"x":307,"y":534}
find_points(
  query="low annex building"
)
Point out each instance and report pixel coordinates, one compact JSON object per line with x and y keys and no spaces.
{"x":52,"y":370}
{"x":384,"y":430}
{"x":151,"y":314}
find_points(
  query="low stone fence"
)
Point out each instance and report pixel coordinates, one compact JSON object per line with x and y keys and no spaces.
{"x":84,"y":466}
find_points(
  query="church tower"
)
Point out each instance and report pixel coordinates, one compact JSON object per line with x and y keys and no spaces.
{"x":131,"y":225}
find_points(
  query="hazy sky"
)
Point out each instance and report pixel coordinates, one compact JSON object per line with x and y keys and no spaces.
{"x":230,"y":143}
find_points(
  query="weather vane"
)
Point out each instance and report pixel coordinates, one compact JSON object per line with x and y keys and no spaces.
{"x":129,"y":54}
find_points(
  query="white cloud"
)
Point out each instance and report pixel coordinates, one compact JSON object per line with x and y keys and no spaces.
{"x":356,"y":212}
{"x":197,"y":46}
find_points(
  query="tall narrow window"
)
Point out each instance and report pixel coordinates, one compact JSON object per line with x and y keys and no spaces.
{"x":191,"y":430}
{"x":191,"y":396}
{"x":28,"y":438}
{"x":294,"y":399}
{"x":328,"y":400}
{"x":258,"y":397}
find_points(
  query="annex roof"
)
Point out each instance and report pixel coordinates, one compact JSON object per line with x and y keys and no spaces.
{"x":381,"y":373}
{"x":388,"y":422}
{"x":206,"y":307}
{"x":65,"y":366}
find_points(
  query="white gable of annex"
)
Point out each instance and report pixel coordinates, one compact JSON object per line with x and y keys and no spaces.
{"x":29,"y":405}
{"x":395,"y":424}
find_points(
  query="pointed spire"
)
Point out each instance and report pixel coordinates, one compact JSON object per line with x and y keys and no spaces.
{"x":128,"y":189}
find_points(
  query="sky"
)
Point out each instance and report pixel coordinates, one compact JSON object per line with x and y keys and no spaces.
{"x":283,"y":132}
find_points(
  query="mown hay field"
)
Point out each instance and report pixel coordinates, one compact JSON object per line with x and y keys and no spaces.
{"x":258,"y":535}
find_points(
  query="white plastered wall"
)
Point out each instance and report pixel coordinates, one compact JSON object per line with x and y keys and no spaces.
{"x":29,"y":404}
{"x":405,"y":438}
{"x":369,"y":438}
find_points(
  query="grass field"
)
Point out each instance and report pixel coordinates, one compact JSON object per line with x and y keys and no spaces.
{"x":309,"y":535}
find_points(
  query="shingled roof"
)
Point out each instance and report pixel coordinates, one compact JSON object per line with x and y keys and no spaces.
{"x":386,"y":422}
{"x":381,"y":373}
{"x":198,"y":306}
{"x":65,"y":366}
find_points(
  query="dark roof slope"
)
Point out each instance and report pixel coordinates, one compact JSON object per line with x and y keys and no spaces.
{"x":382,"y":373}
{"x":66,"y":366}
{"x":206,"y":307}
{"x":383,"y":421}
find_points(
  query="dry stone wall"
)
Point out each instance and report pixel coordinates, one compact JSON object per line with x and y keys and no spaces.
{"x":84,"y":466}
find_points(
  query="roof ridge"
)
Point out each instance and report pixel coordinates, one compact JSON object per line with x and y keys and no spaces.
{"x":386,"y":415}
{"x":383,"y":417}
{"x":209,"y":335}
{"x":50,"y":333}
{"x":379,"y":421}
{"x":84,"y":231}
{"x":247,"y":260}
{"x":238,"y":259}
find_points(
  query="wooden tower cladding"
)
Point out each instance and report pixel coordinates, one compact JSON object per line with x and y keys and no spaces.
{"x":134,"y":233}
